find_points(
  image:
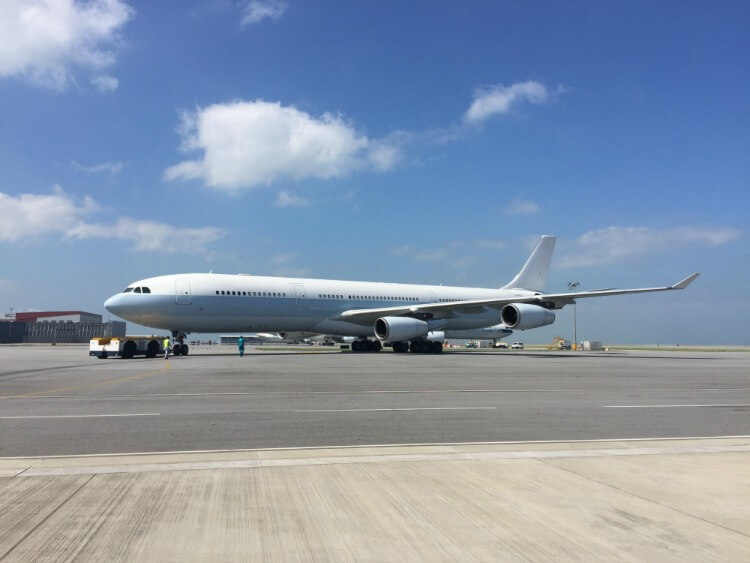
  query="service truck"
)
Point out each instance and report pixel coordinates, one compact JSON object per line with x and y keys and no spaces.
{"x":126,"y":346}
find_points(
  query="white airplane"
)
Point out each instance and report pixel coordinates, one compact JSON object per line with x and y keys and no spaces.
{"x":402,"y":315}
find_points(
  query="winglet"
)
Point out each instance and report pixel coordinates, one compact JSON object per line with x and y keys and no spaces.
{"x":686,"y":282}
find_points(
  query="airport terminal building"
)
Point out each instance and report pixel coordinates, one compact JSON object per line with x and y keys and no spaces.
{"x":56,"y":326}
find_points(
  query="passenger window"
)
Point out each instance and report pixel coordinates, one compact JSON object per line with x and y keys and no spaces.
{"x":137,"y":290}
{"x":217,"y":292}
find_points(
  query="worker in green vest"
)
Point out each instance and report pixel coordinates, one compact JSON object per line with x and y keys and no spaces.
{"x":166,"y":348}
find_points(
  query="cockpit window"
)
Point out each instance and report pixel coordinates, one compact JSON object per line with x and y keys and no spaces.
{"x":146,"y":290}
{"x":128,"y":290}
{"x":137,"y":290}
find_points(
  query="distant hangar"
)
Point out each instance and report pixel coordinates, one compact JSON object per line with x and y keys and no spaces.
{"x":56,"y":326}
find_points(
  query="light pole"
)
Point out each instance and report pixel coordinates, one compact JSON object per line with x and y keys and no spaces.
{"x":572,"y":287}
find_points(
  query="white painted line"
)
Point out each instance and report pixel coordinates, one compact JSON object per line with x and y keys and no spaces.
{"x":391,"y":445}
{"x":403,"y":409}
{"x":385,"y":458}
{"x":672,"y":406}
{"x":380,"y":392}
{"x":83,"y":415}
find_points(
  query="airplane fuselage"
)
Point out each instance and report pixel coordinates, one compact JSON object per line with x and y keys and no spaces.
{"x":237,"y":303}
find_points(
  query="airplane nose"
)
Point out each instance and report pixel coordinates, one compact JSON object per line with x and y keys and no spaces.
{"x":113,"y":304}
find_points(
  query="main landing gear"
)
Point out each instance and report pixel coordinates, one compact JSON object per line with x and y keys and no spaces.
{"x":418,"y":347}
{"x":179,"y":348}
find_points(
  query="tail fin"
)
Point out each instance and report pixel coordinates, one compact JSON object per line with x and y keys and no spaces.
{"x":533,"y":275}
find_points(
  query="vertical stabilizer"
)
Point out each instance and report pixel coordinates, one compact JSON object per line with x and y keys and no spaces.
{"x":533,"y":275}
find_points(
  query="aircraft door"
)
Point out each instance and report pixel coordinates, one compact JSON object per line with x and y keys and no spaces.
{"x":300,"y":294}
{"x":182,"y":292}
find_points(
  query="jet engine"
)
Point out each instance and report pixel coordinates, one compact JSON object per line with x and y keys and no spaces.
{"x":523,"y":316}
{"x":395,"y":329}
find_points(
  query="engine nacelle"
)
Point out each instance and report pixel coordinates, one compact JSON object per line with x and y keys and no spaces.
{"x":436,"y":336}
{"x":395,"y":329}
{"x":523,"y":316}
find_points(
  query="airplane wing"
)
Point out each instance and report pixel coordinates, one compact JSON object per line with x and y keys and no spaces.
{"x":548,"y":300}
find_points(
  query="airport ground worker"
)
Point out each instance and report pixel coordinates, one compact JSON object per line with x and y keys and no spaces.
{"x":241,"y":345}
{"x":166,"y":348}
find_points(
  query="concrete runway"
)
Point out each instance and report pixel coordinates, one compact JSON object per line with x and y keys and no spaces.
{"x":261,"y":463}
{"x":58,"y":401}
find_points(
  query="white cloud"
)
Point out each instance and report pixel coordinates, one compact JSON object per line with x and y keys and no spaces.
{"x":283,"y":265}
{"x":401,"y":250}
{"x":249,"y":144}
{"x":490,"y":244}
{"x":108,"y":167}
{"x":288,"y":199}
{"x":258,"y":10}
{"x":521,"y":207}
{"x":616,"y":243}
{"x":29,"y":216}
{"x":150,"y":236}
{"x":501,"y":99}
{"x":432,"y":255}
{"x":45,"y":41}
{"x":283,"y":258}
{"x":105,"y":83}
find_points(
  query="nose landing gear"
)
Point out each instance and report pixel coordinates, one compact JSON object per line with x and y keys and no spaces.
{"x":179,"y":348}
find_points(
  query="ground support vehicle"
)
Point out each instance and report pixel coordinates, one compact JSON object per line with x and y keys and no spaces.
{"x":126,"y":346}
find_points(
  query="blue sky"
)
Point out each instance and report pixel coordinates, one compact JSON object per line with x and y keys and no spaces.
{"x":396,"y":141}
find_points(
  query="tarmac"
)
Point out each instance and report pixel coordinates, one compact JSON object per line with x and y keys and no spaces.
{"x":671,"y":498}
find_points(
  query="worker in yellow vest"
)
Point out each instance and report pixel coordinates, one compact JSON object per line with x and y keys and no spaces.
{"x":166,"y":348}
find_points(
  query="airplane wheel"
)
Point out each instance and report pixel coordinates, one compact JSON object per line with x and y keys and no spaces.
{"x":415,"y":347}
{"x":152,"y":349}
{"x":377,"y":346}
{"x":367,"y":346}
{"x":356,"y":346}
{"x":436,"y":347}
